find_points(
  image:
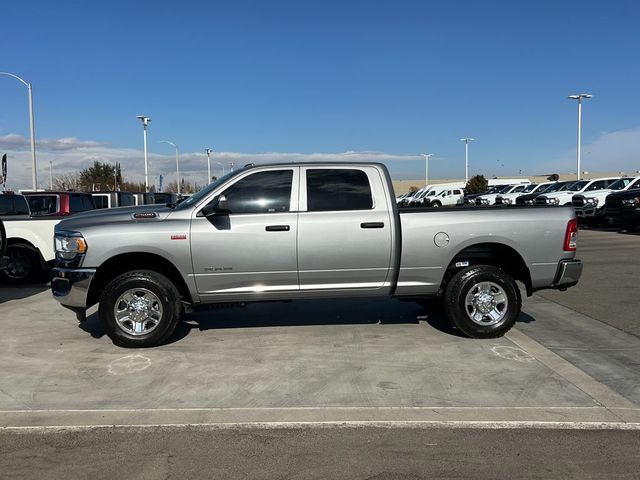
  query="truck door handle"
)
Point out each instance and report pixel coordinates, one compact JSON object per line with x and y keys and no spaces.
{"x":277,"y":228}
{"x":372,"y":225}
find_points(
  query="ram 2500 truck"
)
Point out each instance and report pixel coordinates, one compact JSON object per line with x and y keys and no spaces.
{"x":292,"y":231}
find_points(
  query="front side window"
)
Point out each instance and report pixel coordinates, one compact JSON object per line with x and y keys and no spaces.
{"x":338,"y":189}
{"x":101,"y":201}
{"x":6,"y":205}
{"x":261,"y":192}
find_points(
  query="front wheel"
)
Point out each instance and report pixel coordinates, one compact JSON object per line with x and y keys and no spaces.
{"x":140,"y":309}
{"x":436,"y":204}
{"x":483,"y":301}
{"x":23,"y":265}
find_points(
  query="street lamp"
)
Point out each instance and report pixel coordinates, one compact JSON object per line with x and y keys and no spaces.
{"x":426,"y":156}
{"x":177,"y":164}
{"x":466,"y":157}
{"x":50,"y":174}
{"x":208,"y":151}
{"x":145,"y":123}
{"x":579,"y":97}
{"x":34,"y":177}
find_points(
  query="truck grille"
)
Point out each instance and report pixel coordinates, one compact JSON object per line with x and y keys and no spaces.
{"x":478,"y":201}
{"x":541,"y":201}
{"x":615,"y":202}
{"x":499,"y":201}
{"x":577,"y":202}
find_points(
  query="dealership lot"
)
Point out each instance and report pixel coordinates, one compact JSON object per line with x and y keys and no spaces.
{"x":375,"y":378}
{"x":307,"y":361}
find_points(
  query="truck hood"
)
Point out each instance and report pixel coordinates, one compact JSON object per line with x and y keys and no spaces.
{"x":142,"y":213}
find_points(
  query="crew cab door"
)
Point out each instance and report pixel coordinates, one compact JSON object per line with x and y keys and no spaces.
{"x":344,"y":229}
{"x":250,"y":247}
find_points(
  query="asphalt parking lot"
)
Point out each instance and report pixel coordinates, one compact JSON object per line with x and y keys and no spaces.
{"x":367,"y":363}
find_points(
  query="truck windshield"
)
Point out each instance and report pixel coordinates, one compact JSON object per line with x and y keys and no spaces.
{"x":620,"y":183}
{"x":196,"y":197}
{"x":530,"y":188}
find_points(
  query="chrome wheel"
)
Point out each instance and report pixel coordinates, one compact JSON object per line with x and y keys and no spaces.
{"x":138,"y":311}
{"x":486,"y":303}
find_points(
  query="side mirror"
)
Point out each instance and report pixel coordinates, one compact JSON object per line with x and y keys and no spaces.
{"x":219,"y":206}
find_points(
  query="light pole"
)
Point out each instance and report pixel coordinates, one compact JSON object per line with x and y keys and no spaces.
{"x":50,"y":174}
{"x":579,"y":97}
{"x":34,"y":176}
{"x":145,"y":123}
{"x":222,"y":167}
{"x":208,"y":151}
{"x":466,"y":157}
{"x":426,"y":156}
{"x":177,"y":164}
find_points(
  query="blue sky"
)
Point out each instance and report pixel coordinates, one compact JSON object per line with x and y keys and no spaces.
{"x":394,"y":78}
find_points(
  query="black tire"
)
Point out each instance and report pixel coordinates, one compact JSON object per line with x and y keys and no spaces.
{"x":168,"y":304}
{"x":3,"y":239}
{"x":473,"y":278}
{"x":23,"y":265}
{"x":435,"y":204}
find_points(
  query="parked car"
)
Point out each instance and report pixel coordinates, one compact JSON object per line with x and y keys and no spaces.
{"x":563,"y":197}
{"x":29,"y":248}
{"x":510,"y":198}
{"x":446,"y":198}
{"x":589,"y":206}
{"x":530,"y":198}
{"x":490,"y":198}
{"x":623,"y":209}
{"x":291,"y":231}
{"x":470,"y":199}
{"x":58,"y":203}
{"x":13,"y":204}
{"x":113,"y":199}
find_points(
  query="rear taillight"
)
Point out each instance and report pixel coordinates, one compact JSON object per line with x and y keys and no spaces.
{"x":571,"y":237}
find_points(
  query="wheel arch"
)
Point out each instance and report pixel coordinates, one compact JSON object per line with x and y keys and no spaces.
{"x":497,"y":254}
{"x":130,"y":261}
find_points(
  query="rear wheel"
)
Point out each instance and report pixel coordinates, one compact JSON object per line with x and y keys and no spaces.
{"x":482,"y":301}
{"x":140,"y":309}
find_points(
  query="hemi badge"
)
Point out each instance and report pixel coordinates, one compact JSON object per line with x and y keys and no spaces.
{"x":145,"y":215}
{"x":182,"y":236}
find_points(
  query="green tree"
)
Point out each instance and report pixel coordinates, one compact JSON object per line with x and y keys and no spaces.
{"x":101,"y":176}
{"x":476,"y":184}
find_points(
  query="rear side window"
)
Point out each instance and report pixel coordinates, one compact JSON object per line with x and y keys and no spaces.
{"x":261,"y":192}
{"x":43,"y":204}
{"x":338,"y":189}
{"x":88,"y":204}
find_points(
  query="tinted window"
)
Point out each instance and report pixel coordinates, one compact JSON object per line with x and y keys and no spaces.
{"x":577,"y":186}
{"x":101,"y":201}
{"x":519,"y":188}
{"x":126,"y":200}
{"x":6,"y":205}
{"x":76,"y":204}
{"x":20,"y":205}
{"x":338,"y":189}
{"x":262,"y":192}
{"x":88,"y":204}
{"x":635,"y":184}
{"x":43,"y":204}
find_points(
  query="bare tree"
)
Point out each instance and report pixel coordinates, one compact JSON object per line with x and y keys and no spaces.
{"x":67,"y":181}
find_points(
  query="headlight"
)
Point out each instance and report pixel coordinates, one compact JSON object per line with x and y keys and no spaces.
{"x":69,"y":244}
{"x":531,"y":201}
{"x":591,"y":201}
{"x":507,"y":201}
{"x":631,"y":202}
{"x":553,"y":201}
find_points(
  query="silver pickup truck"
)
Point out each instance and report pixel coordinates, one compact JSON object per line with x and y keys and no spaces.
{"x":292,"y":231}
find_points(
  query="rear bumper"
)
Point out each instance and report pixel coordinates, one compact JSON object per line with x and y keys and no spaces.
{"x":70,"y":286}
{"x":568,"y":274}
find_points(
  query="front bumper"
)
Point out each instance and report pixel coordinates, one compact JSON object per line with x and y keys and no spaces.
{"x":568,"y":274}
{"x":70,"y":286}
